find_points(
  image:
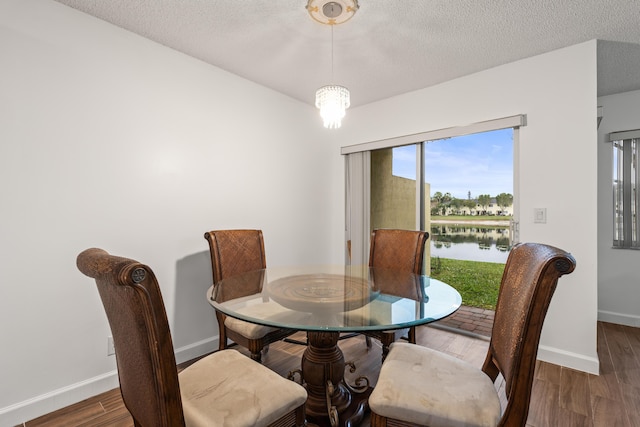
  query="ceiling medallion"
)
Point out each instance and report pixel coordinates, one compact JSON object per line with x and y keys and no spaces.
{"x":332,"y":12}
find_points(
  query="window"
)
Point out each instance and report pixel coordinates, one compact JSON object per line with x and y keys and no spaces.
{"x":626,"y":227}
{"x":380,"y":194}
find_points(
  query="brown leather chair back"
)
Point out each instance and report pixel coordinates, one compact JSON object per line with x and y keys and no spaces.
{"x":144,"y":350}
{"x":528,"y":283}
{"x":235,"y":251}
{"x":398,"y":249}
{"x":400,"y":283}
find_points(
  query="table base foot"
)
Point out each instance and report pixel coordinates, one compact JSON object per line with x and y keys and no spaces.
{"x":352,"y":416}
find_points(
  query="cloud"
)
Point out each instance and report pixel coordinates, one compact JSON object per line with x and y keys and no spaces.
{"x":479,"y":163}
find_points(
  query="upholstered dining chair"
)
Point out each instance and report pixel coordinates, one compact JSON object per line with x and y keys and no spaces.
{"x":419,"y":386}
{"x":224,"y":388}
{"x":235,"y":252}
{"x":400,"y":250}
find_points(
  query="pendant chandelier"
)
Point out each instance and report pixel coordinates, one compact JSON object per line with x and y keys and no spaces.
{"x":332,"y":100}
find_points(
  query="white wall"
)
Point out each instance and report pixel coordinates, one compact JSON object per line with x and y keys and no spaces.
{"x":618,"y":278}
{"x":109,"y":140}
{"x":557,"y":167}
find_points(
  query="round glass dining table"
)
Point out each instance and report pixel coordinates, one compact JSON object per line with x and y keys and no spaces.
{"x":325,"y":301}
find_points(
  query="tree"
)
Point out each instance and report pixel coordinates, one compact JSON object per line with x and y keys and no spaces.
{"x":442,"y":201}
{"x":436,"y":200}
{"x":446,"y":201}
{"x":437,"y":197}
{"x":471,"y":205}
{"x":484,"y":200}
{"x":456,"y":204}
{"x":504,"y":200}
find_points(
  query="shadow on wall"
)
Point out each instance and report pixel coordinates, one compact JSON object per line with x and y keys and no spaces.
{"x":195,"y":322}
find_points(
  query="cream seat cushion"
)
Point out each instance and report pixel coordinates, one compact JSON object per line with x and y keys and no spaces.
{"x":247,"y":329}
{"x":251,"y":330}
{"x":227,"y":388}
{"x":427,"y":387}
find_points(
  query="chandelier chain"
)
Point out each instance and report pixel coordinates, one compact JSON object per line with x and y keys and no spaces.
{"x":332,"y":78}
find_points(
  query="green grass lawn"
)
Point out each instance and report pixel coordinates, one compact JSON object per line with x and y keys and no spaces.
{"x":477,"y":282}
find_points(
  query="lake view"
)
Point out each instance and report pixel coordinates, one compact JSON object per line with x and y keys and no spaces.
{"x":471,"y":242}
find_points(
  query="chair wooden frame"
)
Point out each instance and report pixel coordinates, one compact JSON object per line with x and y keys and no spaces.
{"x":234,"y":252}
{"x":149,"y":379}
{"x":529,"y":280}
{"x":401,"y":250}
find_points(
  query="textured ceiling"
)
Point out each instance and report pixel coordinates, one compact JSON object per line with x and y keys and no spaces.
{"x":389,"y":47}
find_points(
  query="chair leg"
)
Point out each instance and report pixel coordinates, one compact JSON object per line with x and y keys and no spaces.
{"x":222,"y":332}
{"x":257,"y":356}
{"x":301,"y":417}
{"x":222,"y":344}
{"x":386,"y":340}
{"x":412,"y":335}
{"x":367,"y":340}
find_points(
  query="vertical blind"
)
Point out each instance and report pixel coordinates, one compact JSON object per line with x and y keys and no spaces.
{"x":626,"y":176}
{"x":358,"y":183}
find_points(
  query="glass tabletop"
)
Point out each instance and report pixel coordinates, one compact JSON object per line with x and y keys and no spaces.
{"x":334,"y":298}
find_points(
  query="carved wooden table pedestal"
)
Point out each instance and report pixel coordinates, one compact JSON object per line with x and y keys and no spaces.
{"x":331,"y":400}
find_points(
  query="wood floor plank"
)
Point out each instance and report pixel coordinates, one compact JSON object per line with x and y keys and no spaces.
{"x":567,"y":418}
{"x":622,"y":354}
{"x":119,"y":417}
{"x":111,"y":400}
{"x":543,"y":410}
{"x":433,"y":337}
{"x":633,"y":335}
{"x":608,"y":412}
{"x":70,"y":416}
{"x":604,"y":354}
{"x":623,"y":357}
{"x":631,"y":398}
{"x":548,"y":372}
{"x":473,"y":351}
{"x":574,"y":392}
{"x":606,"y":384}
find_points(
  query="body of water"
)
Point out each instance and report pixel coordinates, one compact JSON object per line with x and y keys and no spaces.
{"x":472,"y":243}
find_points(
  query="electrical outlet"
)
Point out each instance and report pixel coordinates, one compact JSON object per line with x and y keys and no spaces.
{"x":111,"y":349}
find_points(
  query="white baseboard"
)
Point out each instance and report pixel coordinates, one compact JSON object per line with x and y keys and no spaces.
{"x":37,"y":406}
{"x":571,"y":360}
{"x":619,"y":318}
{"x":197,"y":349}
{"x":547,"y":354}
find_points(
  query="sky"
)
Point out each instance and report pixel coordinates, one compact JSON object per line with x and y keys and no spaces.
{"x":480,"y":163}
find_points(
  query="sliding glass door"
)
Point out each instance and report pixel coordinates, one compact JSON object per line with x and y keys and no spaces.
{"x":465,"y":175}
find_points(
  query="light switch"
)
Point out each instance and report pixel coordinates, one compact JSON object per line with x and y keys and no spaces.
{"x":540,"y":215}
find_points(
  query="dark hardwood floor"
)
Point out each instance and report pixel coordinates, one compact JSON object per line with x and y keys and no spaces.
{"x":561,"y":396}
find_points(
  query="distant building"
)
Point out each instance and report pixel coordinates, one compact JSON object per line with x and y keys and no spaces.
{"x":491,"y":209}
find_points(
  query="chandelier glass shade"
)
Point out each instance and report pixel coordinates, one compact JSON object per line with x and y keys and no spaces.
{"x":332,"y":100}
